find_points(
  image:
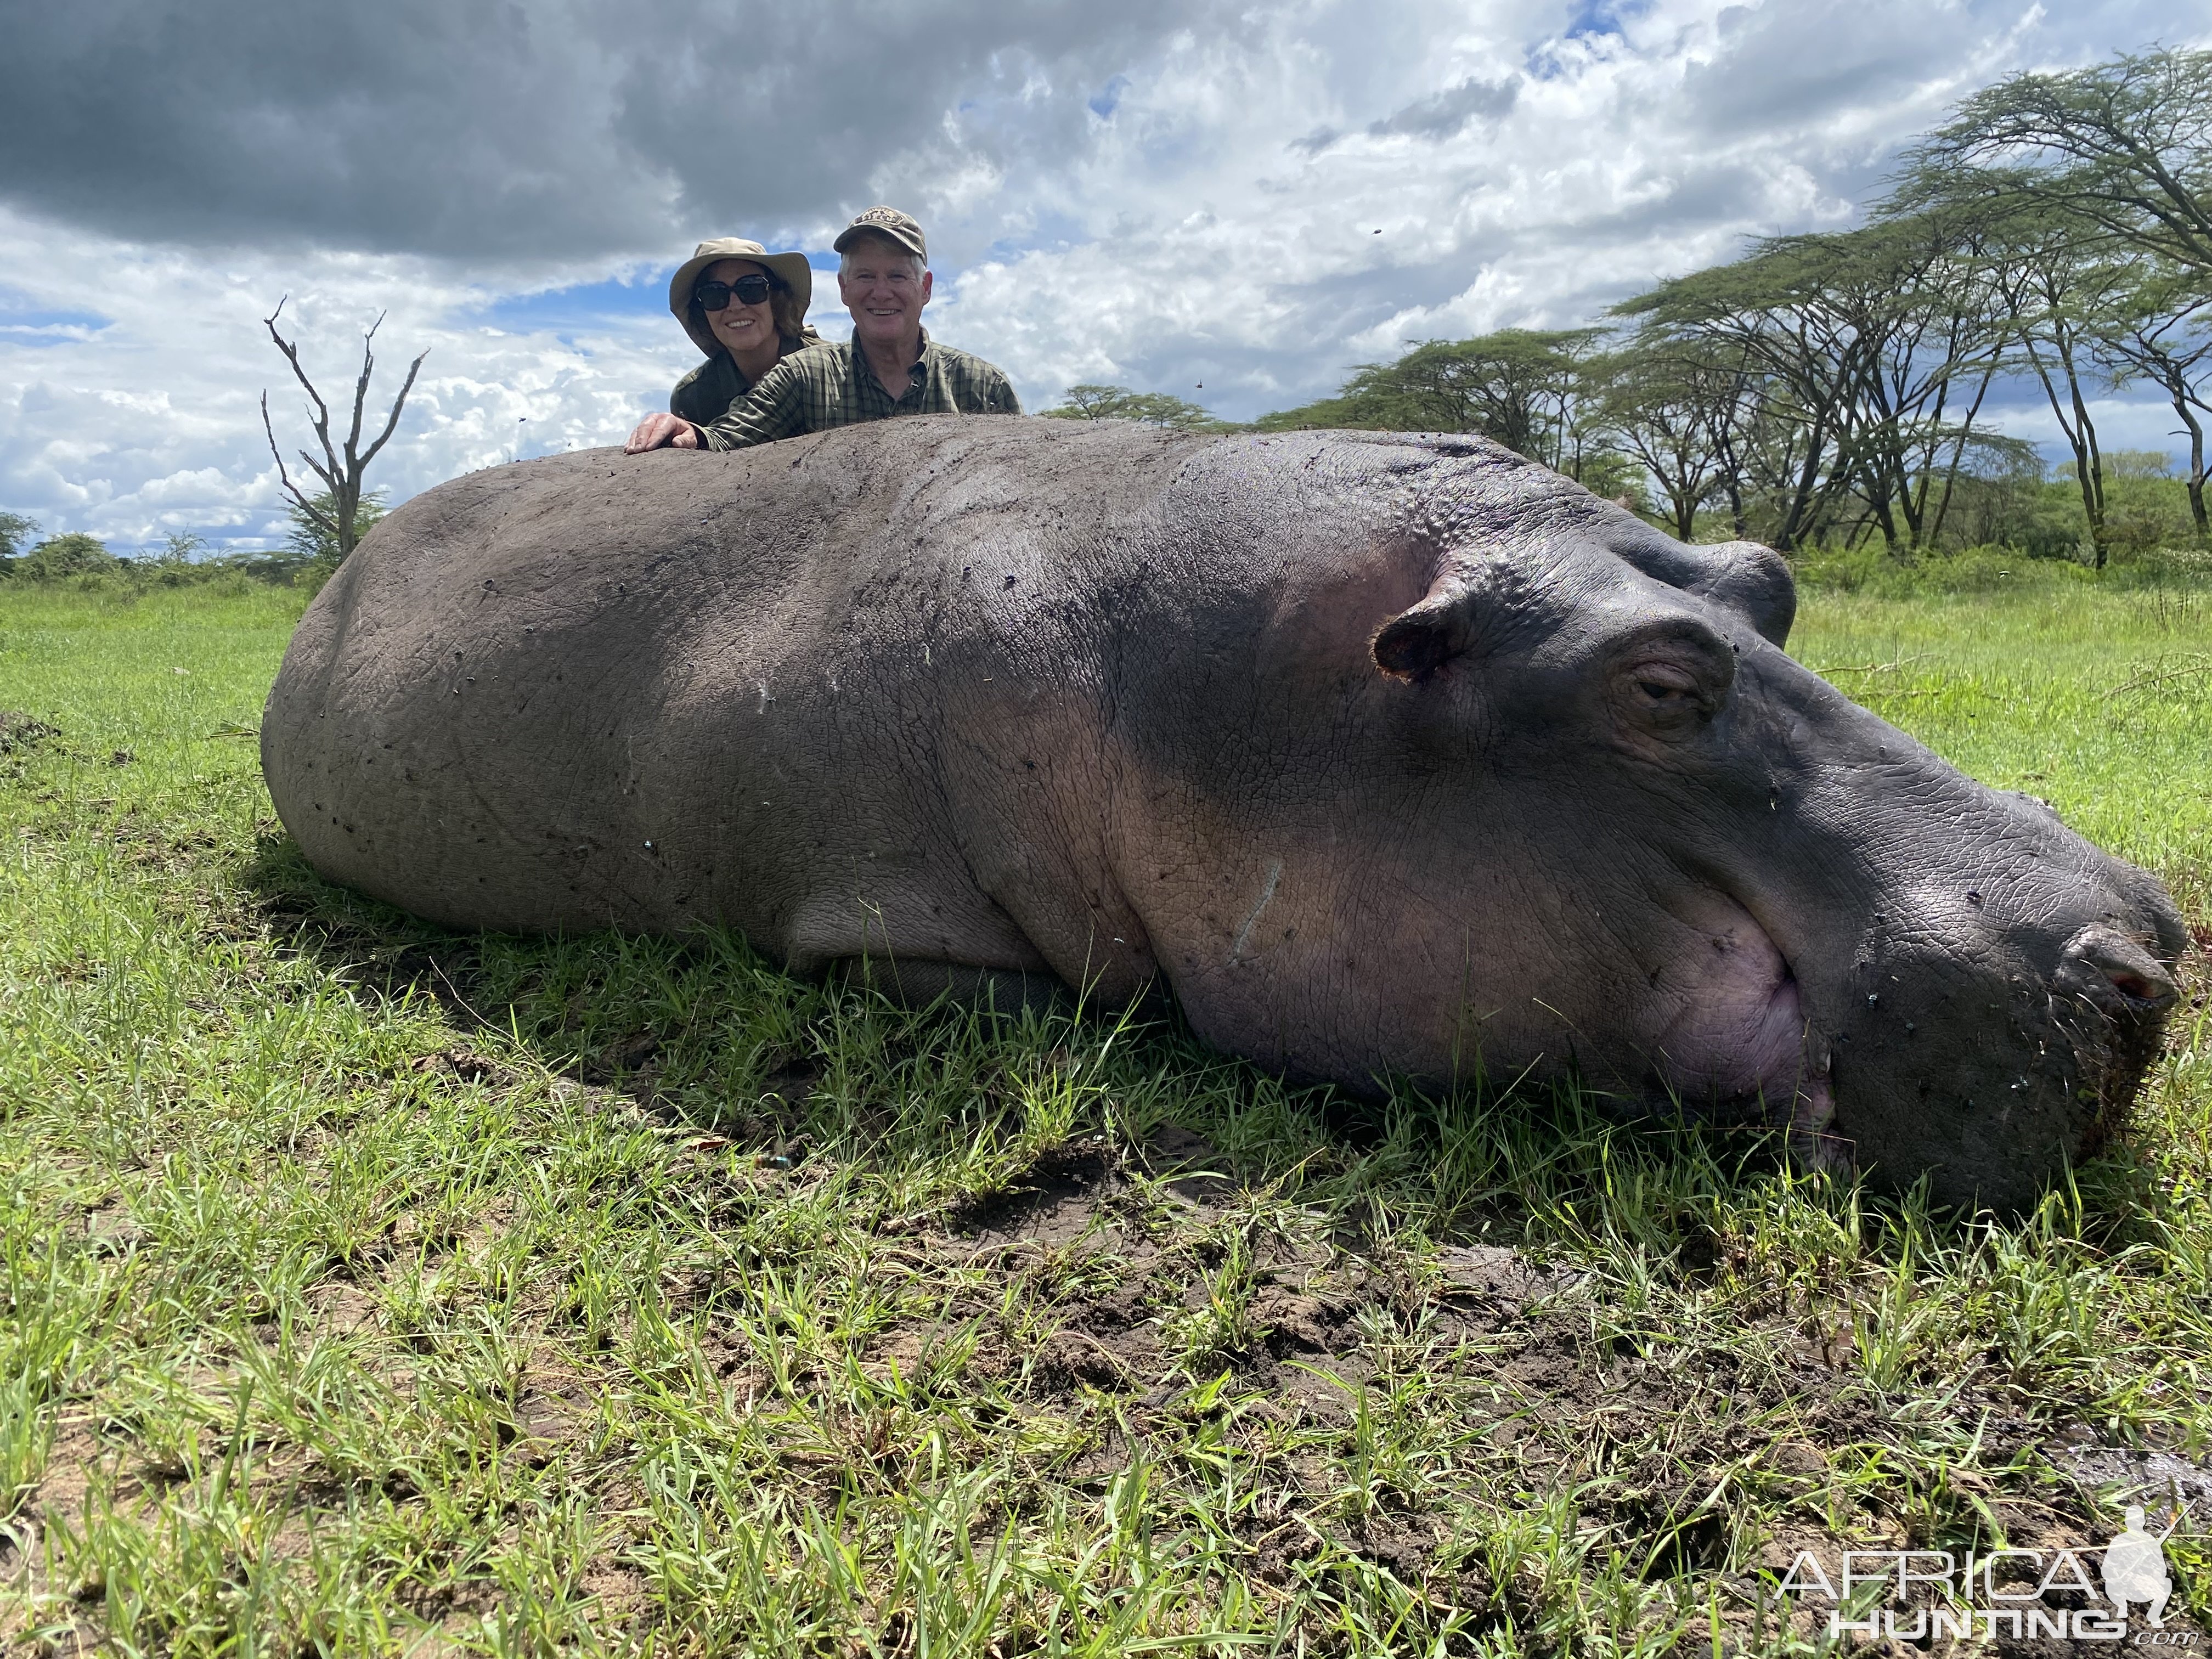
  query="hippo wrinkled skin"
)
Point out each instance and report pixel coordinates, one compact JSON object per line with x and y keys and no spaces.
{"x":1391,"y":756}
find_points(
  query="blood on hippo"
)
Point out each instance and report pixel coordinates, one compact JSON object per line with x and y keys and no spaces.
{"x":1375,"y":752}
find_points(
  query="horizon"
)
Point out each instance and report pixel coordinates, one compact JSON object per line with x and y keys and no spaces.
{"x":1164,"y":199}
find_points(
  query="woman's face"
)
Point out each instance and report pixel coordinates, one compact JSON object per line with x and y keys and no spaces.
{"x":738,"y":326}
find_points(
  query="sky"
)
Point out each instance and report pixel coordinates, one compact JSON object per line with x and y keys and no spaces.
{"x":1236,"y":203}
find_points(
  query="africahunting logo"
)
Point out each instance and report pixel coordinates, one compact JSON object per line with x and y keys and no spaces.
{"x":2003,"y":1592}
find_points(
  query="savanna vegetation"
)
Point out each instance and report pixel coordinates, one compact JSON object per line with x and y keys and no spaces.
{"x":1834,"y":388}
{"x":310,"y":552}
{"x":366,"y":1288}
{"x":1823,"y":390}
{"x":371,"y":1288}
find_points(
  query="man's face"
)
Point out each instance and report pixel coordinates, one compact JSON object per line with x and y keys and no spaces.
{"x":880,"y":288}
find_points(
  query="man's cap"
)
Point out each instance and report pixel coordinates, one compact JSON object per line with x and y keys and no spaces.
{"x":888,"y":223}
{"x":796,"y":273}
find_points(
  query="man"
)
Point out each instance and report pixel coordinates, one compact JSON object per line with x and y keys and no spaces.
{"x":890,"y":367}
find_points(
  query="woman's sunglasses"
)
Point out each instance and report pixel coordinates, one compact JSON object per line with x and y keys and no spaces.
{"x":750,"y":290}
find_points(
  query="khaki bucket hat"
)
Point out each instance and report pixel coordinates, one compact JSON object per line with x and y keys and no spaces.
{"x":796,"y":273}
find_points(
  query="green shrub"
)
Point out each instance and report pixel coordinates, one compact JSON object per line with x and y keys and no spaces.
{"x":2035,"y":518}
{"x":1871,"y":569}
{"x":15,"y":532}
{"x":2146,"y":506}
{"x":58,"y":558}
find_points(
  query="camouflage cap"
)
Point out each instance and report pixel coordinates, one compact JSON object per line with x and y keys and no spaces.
{"x":888,"y":223}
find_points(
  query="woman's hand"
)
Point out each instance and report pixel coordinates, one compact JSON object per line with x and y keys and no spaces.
{"x":655,"y":431}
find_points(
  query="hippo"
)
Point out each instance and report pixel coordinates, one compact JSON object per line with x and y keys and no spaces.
{"x":1395,"y":759}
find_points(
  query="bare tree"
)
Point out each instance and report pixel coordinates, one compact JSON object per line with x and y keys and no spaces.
{"x":334,"y":509}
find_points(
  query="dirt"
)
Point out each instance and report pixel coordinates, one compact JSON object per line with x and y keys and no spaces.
{"x":1120,"y":1242}
{"x":73,"y":1459}
{"x":20,"y":733}
{"x":1136,"y":1231}
{"x":2160,"y":1482}
{"x":1070,"y":1196}
{"x":1129,"y":1235}
{"x":1123,"y":1246}
{"x":1497,"y":1279}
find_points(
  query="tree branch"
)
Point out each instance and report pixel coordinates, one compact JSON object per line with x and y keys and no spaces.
{"x":398,"y":404}
{"x":322,"y":422}
{"x":361,"y":388}
{"x":285,"y":478}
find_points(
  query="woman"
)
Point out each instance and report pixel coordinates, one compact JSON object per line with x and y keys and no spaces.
{"x":745,"y":308}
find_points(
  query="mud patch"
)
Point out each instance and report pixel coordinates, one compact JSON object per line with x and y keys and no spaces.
{"x":2160,"y":1482}
{"x":20,"y":733}
{"x":1496,"y":1279}
{"x":1067,"y":1196}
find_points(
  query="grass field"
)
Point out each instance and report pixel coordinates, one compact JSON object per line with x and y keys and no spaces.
{"x":374,"y":1290}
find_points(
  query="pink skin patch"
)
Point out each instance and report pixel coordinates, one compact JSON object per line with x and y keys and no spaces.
{"x":1816,"y":1146}
{"x":1734,"y":1027}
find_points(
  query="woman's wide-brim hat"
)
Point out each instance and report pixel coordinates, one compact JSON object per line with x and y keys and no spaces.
{"x":791,"y":267}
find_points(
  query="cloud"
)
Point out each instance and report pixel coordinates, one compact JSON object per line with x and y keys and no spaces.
{"x":1183,"y":198}
{"x":1441,"y":115}
{"x":486,"y":130}
{"x":1447,"y":114}
{"x":153,"y":424}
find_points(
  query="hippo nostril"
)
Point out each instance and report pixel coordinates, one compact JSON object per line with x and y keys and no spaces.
{"x":2098,"y":957}
{"x":2140,"y":987}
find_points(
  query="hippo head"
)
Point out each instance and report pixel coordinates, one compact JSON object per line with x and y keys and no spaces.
{"x":1600,"y":822}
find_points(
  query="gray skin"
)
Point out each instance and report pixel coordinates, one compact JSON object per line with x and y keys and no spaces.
{"x":1391,"y":756}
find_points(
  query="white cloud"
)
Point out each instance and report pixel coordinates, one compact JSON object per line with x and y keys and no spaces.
{"x":1173,"y":204}
{"x":151,"y":423}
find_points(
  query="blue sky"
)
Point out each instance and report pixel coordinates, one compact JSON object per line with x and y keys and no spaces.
{"x":1181,"y":197}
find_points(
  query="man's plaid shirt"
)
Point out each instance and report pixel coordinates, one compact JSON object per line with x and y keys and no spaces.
{"x":832,"y":385}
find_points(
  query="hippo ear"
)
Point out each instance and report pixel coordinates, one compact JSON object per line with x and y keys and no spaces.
{"x":1749,"y":579}
{"x":1414,"y":644}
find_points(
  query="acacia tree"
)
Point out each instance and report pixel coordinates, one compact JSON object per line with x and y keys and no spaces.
{"x":1117,"y":403}
{"x":310,"y":539}
{"x":1527,"y":389}
{"x":2158,"y":328}
{"x":335,"y":510}
{"x":2054,"y":285}
{"x":1752,"y":313}
{"x":1862,"y":362}
{"x":2122,"y":149}
{"x":15,"y":532}
{"x":2101,"y":180}
{"x":1673,"y":409}
{"x":1928,"y":324}
{"x":2057,"y":225}
{"x":1765,"y":312}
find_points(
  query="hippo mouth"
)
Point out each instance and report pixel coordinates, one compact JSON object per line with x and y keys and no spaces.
{"x":1733,"y":1038}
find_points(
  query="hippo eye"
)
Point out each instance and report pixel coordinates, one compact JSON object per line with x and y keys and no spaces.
{"x":1665,"y":698}
{"x":1663,"y":684}
{"x":1670,"y":685}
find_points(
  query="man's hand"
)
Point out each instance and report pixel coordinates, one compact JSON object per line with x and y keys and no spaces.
{"x":657,"y":431}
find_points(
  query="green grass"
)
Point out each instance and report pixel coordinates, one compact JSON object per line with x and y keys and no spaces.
{"x":2098,"y":697}
{"x":370,"y":1290}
